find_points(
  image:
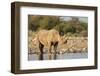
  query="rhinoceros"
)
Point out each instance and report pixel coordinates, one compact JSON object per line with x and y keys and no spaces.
{"x":49,"y":38}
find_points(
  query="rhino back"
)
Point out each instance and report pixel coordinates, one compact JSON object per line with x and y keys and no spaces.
{"x":48,"y":36}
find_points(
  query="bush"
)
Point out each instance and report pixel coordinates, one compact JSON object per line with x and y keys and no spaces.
{"x":73,"y":26}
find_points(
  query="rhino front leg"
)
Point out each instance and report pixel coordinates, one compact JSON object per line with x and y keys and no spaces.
{"x":49,"y":51}
{"x":55,"y":47}
{"x":55,"y":50}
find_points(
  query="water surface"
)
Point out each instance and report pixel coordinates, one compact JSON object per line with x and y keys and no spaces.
{"x":58,"y":56}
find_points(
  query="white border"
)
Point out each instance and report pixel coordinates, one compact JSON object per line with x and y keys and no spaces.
{"x":25,"y":64}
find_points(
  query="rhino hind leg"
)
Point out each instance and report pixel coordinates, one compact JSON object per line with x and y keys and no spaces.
{"x":41,"y":46}
{"x":41,"y":51}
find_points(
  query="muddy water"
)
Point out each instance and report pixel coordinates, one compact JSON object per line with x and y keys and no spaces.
{"x":57,"y":56}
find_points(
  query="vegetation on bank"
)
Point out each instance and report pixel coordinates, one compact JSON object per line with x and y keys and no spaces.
{"x":72,"y":27}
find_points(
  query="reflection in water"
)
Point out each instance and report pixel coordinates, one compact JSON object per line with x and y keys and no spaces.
{"x":55,"y":56}
{"x":40,"y":57}
{"x":50,"y":56}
